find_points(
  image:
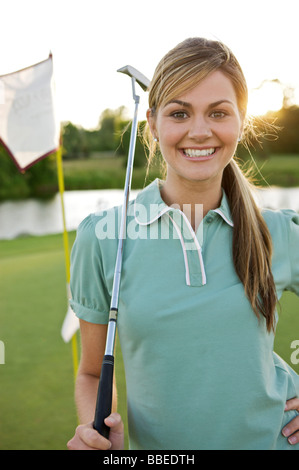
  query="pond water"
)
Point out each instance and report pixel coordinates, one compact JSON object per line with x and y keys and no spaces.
{"x":34,"y":217}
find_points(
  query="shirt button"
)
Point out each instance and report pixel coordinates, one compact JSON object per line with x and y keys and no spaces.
{"x":209,"y":219}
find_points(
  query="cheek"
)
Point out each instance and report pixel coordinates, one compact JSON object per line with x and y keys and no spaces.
{"x":229,"y":135}
{"x":171,"y":135}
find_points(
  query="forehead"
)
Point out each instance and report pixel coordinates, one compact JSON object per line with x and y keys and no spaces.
{"x":215,"y":87}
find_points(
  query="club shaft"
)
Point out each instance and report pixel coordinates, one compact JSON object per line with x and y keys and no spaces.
{"x":122,"y":234}
{"x":105,"y":389}
{"x":122,"y":231}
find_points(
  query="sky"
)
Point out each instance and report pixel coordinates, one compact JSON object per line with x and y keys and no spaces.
{"x":91,"y":39}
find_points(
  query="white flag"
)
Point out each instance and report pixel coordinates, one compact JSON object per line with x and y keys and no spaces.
{"x":71,"y":322}
{"x":29,"y":128}
{"x":70,"y":325}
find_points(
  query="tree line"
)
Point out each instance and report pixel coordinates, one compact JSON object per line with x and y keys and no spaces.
{"x":112,"y":136}
{"x":276,"y":132}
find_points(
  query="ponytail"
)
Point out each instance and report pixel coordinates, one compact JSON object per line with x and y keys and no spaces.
{"x":252,"y":245}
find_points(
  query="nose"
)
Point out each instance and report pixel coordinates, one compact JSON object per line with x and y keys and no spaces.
{"x":200,"y":129}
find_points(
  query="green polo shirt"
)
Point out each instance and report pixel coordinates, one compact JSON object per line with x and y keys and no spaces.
{"x":200,"y":368}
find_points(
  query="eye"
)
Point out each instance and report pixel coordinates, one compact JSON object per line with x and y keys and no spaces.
{"x":179,"y":115}
{"x":218,"y":114}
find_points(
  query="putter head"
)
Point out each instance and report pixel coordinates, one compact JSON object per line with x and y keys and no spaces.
{"x":139,"y":77}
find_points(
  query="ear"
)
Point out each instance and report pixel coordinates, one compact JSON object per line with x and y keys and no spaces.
{"x":242,"y":126}
{"x":151,"y":119}
{"x":243,"y":119}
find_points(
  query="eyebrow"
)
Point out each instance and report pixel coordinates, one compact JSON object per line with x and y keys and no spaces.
{"x":189,"y":105}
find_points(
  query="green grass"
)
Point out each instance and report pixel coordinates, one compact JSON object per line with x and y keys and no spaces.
{"x":278,"y":170}
{"x":36,"y":400}
{"x":288,"y":328}
{"x":37,"y":381}
{"x":108,"y":172}
{"x":104,"y":173}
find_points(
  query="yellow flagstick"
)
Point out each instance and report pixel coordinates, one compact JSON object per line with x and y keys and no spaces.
{"x":66,"y":248}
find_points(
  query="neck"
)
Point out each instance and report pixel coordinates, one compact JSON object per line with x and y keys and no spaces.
{"x":194,"y":198}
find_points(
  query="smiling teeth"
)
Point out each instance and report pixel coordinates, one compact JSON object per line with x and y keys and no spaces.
{"x":199,"y":153}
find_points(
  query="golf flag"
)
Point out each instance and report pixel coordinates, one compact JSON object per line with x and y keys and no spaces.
{"x":29,"y":128}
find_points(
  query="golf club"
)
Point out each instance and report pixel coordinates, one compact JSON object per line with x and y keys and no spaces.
{"x":105,"y":389}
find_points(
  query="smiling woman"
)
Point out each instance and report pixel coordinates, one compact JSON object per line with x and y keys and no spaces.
{"x":197,"y":310}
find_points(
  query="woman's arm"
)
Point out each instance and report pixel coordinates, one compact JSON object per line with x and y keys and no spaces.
{"x":93,"y":339}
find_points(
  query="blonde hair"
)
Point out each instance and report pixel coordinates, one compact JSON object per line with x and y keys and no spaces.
{"x":181,"y":69}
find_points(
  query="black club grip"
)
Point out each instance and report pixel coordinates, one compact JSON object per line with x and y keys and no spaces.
{"x":104,"y":397}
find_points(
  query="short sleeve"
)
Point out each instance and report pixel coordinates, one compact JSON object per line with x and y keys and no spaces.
{"x":293,"y":244}
{"x":89,"y":295}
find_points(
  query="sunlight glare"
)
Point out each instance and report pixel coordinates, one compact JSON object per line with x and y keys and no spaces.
{"x":267,"y":97}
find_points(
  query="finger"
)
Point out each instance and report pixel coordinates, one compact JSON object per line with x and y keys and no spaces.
{"x":294,"y":438}
{"x":93,"y":439}
{"x":116,"y":434}
{"x":87,"y":437}
{"x":76,"y":444}
{"x":292,"y":404}
{"x":114,"y":422}
{"x":291,"y":431}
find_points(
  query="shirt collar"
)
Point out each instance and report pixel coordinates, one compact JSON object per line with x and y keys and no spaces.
{"x":224,"y":210}
{"x":149,"y":205}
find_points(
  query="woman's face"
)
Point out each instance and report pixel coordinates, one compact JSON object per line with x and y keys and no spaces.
{"x":198,"y":131}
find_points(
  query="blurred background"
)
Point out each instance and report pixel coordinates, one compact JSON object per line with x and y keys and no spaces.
{"x":89,"y":41}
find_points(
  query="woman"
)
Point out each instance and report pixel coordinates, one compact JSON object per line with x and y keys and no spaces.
{"x":203,"y":269}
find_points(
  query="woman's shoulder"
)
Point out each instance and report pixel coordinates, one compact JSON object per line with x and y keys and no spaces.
{"x":99,"y":226}
{"x":280,"y":216}
{"x":90,"y":221}
{"x":282,"y":222}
